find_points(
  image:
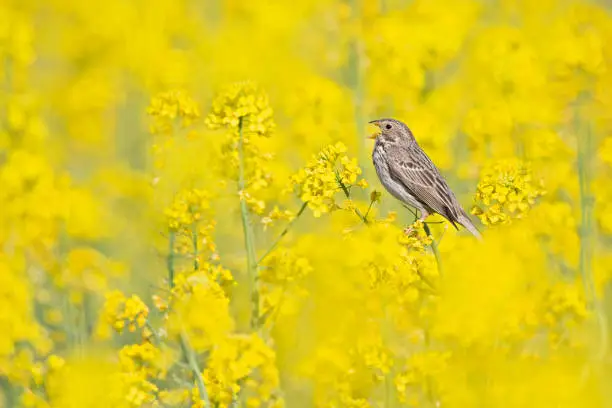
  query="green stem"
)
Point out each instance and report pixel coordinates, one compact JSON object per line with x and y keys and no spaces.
{"x":347,"y":194}
{"x":249,"y":239}
{"x":153,"y":331}
{"x":193,"y":364}
{"x":183,"y":340}
{"x":282,"y":234}
{"x":170,"y":259}
{"x":434,"y":248}
{"x":194,"y":240}
{"x":369,"y":209}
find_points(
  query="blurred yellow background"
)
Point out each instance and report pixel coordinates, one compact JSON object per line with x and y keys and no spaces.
{"x":189,"y":215}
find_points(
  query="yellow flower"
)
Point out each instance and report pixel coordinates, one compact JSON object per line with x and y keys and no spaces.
{"x":232,"y":366}
{"x":420,"y":369}
{"x":140,"y":365}
{"x":120,"y":311}
{"x":328,"y":173}
{"x":244,"y":104}
{"x":283,"y":267}
{"x":204,"y":330}
{"x":506,"y":191}
{"x":187,"y":208}
{"x":244,"y":111}
{"x":168,"y":107}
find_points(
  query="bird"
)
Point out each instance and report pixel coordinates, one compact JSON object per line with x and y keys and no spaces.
{"x":409,"y":175}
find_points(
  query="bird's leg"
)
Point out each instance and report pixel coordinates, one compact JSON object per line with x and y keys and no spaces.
{"x":416,"y":215}
{"x":412,"y":211}
{"x":424,"y":214}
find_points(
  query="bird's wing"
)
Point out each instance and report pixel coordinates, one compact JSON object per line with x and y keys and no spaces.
{"x":411,"y":167}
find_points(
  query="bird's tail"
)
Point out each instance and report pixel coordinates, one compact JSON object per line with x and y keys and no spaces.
{"x":464,"y":220}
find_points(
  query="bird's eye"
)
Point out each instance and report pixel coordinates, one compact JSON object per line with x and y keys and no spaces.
{"x":388,"y":126}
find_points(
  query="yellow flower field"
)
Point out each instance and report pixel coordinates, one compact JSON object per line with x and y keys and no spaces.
{"x":190,"y":217}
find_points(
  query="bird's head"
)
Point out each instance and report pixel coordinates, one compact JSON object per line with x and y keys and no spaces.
{"x":392,"y":130}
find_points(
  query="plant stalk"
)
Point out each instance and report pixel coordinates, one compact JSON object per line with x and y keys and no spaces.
{"x":249,"y":239}
{"x":170,"y":259}
{"x":347,"y":194}
{"x":282,"y":234}
{"x":434,"y":248}
{"x":193,"y":365}
{"x":183,"y":340}
{"x":194,"y":240}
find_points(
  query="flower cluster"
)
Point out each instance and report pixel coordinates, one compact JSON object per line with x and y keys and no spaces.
{"x":276,"y":214}
{"x":284,"y":267}
{"x":242,"y":107}
{"x":564,"y":303}
{"x":140,"y":365}
{"x":168,"y":107}
{"x":412,"y":383}
{"x":330,"y":172}
{"x":188,"y":208}
{"x":415,"y":237}
{"x":281,"y":277}
{"x":189,"y":221}
{"x":204,"y":329}
{"x":120,"y":311}
{"x":232,"y":368}
{"x":507,"y":190}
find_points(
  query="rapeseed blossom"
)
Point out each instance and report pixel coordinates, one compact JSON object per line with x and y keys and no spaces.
{"x":329,"y":173}
{"x":166,"y":108}
{"x":242,"y":105}
{"x":506,"y":191}
{"x":120,"y":312}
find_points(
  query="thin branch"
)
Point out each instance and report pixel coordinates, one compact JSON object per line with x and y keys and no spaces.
{"x":278,"y":307}
{"x":427,"y":282}
{"x":249,"y":239}
{"x":434,"y":248}
{"x":153,"y":332}
{"x":282,"y":234}
{"x":412,"y":211}
{"x":193,"y":364}
{"x":170,"y":260}
{"x":369,"y":209}
{"x":347,"y":193}
{"x":194,"y":239}
{"x":183,"y":340}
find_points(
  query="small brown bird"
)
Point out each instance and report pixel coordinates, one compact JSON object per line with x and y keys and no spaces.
{"x":411,"y":177}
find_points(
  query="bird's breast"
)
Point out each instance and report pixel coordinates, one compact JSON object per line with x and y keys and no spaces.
{"x":399,"y":191}
{"x":380,"y":162}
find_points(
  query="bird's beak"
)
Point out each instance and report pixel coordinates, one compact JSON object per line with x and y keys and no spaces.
{"x":377,"y":133}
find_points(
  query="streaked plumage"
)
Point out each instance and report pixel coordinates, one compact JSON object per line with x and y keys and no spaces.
{"x":410,"y":176}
